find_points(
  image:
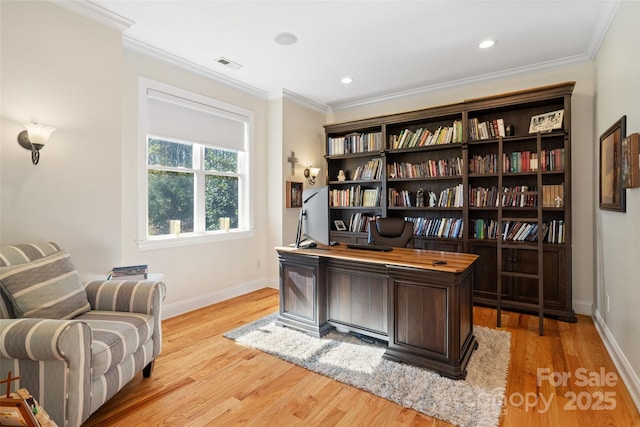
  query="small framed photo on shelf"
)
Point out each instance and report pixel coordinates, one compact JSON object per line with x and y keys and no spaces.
{"x":340,"y":226}
{"x":546,"y":122}
{"x":612,"y":194}
{"x":631,"y":161}
{"x":294,"y":194}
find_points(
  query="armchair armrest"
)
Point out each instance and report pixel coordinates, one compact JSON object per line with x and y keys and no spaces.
{"x":47,"y":351}
{"x":43,"y":339}
{"x":143,"y":296}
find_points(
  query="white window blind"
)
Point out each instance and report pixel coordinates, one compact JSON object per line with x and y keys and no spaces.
{"x":177,"y":118}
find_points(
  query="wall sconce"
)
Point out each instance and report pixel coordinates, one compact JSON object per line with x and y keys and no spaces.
{"x":34,"y":138}
{"x":311,"y":174}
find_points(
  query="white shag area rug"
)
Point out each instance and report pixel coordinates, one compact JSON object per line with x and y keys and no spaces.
{"x":474,"y":401}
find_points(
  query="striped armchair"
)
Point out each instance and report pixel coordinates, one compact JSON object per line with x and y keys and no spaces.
{"x":73,"y":346}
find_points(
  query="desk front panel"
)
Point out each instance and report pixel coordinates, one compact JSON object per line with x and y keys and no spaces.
{"x":358,"y":296}
{"x":420,"y":317}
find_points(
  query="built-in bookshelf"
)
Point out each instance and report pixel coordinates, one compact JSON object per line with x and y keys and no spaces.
{"x":439,"y":168}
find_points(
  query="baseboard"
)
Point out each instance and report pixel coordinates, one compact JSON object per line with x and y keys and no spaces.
{"x":628,"y":375}
{"x":582,"y":307}
{"x":185,"y":306}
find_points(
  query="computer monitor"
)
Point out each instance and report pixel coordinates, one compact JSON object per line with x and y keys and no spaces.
{"x":314,"y":217}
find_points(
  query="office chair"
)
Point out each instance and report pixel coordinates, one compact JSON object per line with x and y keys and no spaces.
{"x":391,"y":232}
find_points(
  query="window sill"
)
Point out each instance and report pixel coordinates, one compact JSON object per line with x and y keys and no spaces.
{"x":189,"y":239}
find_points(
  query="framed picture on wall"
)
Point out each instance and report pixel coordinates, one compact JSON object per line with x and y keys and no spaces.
{"x":294,"y":194}
{"x":612,"y":194}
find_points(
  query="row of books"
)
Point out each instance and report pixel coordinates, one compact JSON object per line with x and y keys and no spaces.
{"x":355,"y":143}
{"x":355,"y":196}
{"x":481,"y":197}
{"x":518,"y":161}
{"x":486,"y":129}
{"x":427,"y":169}
{"x":129,"y":272}
{"x":552,"y":231}
{"x":449,"y":198}
{"x":400,"y":198}
{"x":371,"y":170}
{"x":451,"y":228}
{"x":359,"y":222}
{"x":483,"y":165}
{"x":552,"y":196}
{"x":527,"y":161}
{"x":483,"y":229}
{"x":518,"y":231}
{"x":424,"y":137}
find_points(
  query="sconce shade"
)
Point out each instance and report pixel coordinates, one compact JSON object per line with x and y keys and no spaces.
{"x":311,"y":174}
{"x":38,"y":134}
{"x":34,"y":138}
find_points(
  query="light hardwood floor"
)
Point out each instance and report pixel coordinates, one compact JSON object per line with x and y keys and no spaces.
{"x":204,"y":379}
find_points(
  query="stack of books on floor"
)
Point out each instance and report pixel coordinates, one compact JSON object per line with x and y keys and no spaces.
{"x":129,"y":272}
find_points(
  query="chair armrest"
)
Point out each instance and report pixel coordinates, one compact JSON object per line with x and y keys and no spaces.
{"x":144,"y":296}
{"x":48,"y":351}
{"x":133,"y":296}
{"x":43,"y":339}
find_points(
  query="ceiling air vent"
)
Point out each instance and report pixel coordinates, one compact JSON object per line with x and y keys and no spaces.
{"x":228,"y":63}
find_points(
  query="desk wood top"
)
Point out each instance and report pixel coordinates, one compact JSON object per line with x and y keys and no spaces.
{"x":454,"y":262}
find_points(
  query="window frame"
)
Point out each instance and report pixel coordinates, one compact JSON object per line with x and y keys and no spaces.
{"x":245,"y":188}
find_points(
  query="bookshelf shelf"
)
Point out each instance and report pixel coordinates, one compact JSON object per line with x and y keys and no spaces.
{"x":478,"y":165}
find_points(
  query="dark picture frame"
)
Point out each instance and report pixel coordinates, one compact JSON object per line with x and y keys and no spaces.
{"x":612,"y":192}
{"x":294,"y":194}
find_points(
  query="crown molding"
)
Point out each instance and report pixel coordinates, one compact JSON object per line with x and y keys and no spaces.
{"x":602,"y":28}
{"x":162,"y":55}
{"x":97,"y":13}
{"x":299,"y":99}
{"x":484,"y":78}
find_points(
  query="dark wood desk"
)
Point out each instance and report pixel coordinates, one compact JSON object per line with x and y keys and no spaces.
{"x":407,"y":297}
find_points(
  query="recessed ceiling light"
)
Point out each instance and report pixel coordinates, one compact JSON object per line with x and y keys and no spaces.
{"x":286,"y":39}
{"x":486,"y":44}
{"x":346,"y":80}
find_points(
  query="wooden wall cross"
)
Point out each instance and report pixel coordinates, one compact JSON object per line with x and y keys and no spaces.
{"x":293,"y":160}
{"x":9,"y":380}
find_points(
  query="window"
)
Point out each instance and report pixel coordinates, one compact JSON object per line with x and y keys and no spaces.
{"x":196,"y":167}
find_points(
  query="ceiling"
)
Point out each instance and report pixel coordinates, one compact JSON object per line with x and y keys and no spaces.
{"x":389,"y":48}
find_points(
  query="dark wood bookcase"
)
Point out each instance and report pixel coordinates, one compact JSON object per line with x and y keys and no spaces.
{"x":467,"y":164}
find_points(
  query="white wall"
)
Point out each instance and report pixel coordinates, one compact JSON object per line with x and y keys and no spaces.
{"x":582,"y":160}
{"x":65,"y":71}
{"x":199,"y":274}
{"x":618,"y":234}
{"x":304,"y":134}
{"x":293,"y":126}
{"x":276,"y":160}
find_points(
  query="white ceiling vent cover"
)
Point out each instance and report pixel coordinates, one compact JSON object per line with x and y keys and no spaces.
{"x":228,"y":63}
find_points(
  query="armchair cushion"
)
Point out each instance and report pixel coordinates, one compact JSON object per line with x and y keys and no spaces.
{"x":48,"y":287}
{"x":116,"y":336}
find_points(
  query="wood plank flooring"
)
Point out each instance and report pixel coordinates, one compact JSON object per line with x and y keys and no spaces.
{"x":204,"y":379}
